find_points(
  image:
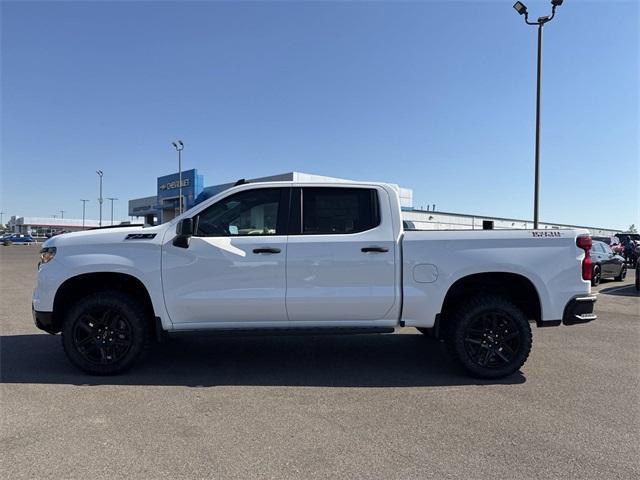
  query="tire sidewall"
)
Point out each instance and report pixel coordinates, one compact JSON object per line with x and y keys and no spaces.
{"x":467,"y":313}
{"x":125,"y":306}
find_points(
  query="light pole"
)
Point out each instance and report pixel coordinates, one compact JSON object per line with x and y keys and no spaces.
{"x":1,"y":223}
{"x":62,"y":213}
{"x":522,"y":10}
{"x":179,"y":147}
{"x":112,"y":199}
{"x":84,"y":204}
{"x":100,"y":174}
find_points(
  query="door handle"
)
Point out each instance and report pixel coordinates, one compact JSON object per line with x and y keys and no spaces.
{"x":374,"y":249}
{"x":266,"y":250}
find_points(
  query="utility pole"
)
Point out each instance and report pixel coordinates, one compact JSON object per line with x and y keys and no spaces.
{"x":84,"y":204}
{"x":522,"y":10}
{"x":100,"y":174}
{"x":112,"y":199}
{"x":179,"y":147}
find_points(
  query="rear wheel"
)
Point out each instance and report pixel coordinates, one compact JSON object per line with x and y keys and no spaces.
{"x":623,"y":274}
{"x":489,"y":337}
{"x":596,"y":276}
{"x":105,"y":333}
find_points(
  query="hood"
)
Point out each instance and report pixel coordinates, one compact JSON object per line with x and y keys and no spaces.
{"x":108,"y":235}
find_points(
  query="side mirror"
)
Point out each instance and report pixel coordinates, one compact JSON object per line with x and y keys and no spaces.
{"x":184,"y":231}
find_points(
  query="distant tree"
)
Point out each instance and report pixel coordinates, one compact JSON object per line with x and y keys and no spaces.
{"x":632,"y":228}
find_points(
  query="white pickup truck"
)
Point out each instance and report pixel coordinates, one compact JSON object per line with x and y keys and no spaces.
{"x":305,"y":257}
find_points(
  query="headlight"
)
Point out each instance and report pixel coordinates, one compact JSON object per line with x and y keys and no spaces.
{"x":47,"y":254}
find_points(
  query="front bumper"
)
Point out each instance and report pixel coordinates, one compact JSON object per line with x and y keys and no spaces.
{"x":45,"y":321}
{"x":579,"y":310}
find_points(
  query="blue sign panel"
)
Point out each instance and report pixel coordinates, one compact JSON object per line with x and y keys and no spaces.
{"x":169,"y":187}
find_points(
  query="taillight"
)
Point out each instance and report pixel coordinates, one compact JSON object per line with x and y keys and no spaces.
{"x":584,"y":242}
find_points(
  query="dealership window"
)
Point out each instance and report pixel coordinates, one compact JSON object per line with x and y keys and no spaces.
{"x":252,"y":212}
{"x":335,"y":210}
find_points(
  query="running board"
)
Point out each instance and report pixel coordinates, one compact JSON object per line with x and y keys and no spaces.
{"x":231,"y":332}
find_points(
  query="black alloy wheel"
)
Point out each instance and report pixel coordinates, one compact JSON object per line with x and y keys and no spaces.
{"x":104,"y":333}
{"x":102,"y":337}
{"x":492,"y":340}
{"x":596,"y":276}
{"x":488,"y":336}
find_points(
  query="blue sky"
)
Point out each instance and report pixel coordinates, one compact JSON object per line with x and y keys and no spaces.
{"x":437,"y":96}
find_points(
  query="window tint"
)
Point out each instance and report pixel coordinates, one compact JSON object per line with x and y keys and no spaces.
{"x":338,"y":210}
{"x":252,"y":212}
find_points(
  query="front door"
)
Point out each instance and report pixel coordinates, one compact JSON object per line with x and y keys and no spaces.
{"x":233,"y":271}
{"x":341,"y":261}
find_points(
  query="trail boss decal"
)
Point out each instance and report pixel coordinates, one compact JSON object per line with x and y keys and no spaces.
{"x":140,"y":236}
{"x":545,"y":234}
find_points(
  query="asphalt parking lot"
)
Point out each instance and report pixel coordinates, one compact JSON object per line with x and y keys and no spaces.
{"x":379,"y":406}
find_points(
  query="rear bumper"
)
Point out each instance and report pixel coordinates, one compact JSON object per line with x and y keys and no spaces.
{"x":44,"y":321}
{"x":579,"y":310}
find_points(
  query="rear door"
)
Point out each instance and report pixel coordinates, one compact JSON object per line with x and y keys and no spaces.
{"x":340,"y":255}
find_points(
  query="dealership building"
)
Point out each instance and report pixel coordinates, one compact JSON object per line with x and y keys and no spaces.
{"x":43,"y":226}
{"x":163,"y":206}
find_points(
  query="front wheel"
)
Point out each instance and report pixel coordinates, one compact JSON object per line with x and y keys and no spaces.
{"x":105,"y":333}
{"x":489,"y":337}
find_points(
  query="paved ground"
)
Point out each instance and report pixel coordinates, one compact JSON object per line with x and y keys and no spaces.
{"x":387,"y":406}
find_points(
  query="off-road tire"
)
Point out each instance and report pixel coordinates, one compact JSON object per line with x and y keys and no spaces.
{"x":105,"y":333}
{"x":488,"y":328}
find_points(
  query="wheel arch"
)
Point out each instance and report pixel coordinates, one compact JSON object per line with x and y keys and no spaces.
{"x":81,"y":285}
{"x":513,"y":286}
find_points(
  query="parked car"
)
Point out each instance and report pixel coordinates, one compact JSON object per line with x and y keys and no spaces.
{"x":606,"y":264}
{"x":638,"y":276}
{"x":323,"y":257}
{"x":613,"y":242}
{"x":19,"y":238}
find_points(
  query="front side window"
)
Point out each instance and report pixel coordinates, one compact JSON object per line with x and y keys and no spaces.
{"x":335,"y":210}
{"x":252,"y":212}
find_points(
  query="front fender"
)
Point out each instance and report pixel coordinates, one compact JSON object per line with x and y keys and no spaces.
{"x":141,"y":261}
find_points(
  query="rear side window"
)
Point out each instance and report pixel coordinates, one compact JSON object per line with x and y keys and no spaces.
{"x":327,"y":210}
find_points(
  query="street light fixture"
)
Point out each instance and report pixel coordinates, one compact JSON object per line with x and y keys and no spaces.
{"x":112,"y":199}
{"x":521,"y":8}
{"x":179,"y":147}
{"x":100,"y":174}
